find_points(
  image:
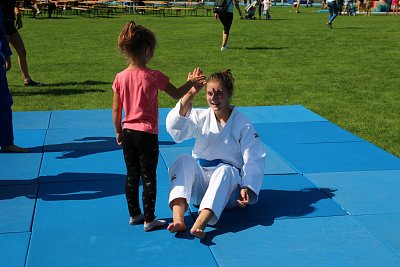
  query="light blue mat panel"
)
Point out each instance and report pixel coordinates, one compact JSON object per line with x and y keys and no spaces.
{"x":165,"y":139}
{"x":84,"y":164}
{"x":17,"y":205}
{"x":363,"y":192}
{"x":303,"y":133}
{"x":99,"y":118}
{"x":31,"y":120}
{"x":33,"y":139}
{"x":268,"y":114}
{"x":162,"y":116}
{"x":19,"y":168}
{"x":13,"y":249}
{"x":88,"y":204}
{"x":81,"y":138}
{"x":115,"y":246}
{"x":337,"y":157}
{"x":385,"y":227}
{"x":326,"y":241}
{"x":169,"y":155}
{"x":284,"y":197}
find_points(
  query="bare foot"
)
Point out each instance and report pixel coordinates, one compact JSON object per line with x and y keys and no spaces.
{"x":14,"y":148}
{"x":176,"y":227}
{"x":197,"y":233}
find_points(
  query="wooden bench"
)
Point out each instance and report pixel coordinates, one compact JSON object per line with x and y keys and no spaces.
{"x":155,"y":10}
{"x":178,"y":10}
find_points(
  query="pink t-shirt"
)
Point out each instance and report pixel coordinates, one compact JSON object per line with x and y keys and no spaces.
{"x":138,"y":91}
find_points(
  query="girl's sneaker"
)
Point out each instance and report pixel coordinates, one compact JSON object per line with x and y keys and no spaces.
{"x":136,"y":219}
{"x":154,"y":225}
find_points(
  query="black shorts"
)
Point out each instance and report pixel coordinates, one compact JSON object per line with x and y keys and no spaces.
{"x":226,"y":19}
{"x":9,"y":27}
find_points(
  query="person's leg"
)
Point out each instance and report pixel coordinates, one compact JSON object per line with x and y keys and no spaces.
{"x":187,"y":181}
{"x":334,"y":11}
{"x":131,"y":157}
{"x":18,"y":44}
{"x":201,"y":223}
{"x":226,"y":20}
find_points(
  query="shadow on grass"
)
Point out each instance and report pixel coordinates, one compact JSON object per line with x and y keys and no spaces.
{"x":58,"y":92}
{"x":263,"y":48}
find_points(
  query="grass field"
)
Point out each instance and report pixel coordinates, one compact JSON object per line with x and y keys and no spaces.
{"x":349,"y":75}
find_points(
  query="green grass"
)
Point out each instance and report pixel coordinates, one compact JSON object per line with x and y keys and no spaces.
{"x":349,"y":75}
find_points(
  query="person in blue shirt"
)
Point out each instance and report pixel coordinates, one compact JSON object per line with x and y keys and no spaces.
{"x":6,"y":126}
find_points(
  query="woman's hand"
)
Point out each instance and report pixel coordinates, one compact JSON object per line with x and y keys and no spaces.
{"x":244,"y":197}
{"x":198,"y":78}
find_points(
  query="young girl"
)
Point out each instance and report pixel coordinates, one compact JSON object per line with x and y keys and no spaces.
{"x":267,"y":6}
{"x":136,"y":90}
{"x":395,"y":7}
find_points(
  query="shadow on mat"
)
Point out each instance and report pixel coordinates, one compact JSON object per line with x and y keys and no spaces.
{"x":85,"y":146}
{"x":272,"y":204}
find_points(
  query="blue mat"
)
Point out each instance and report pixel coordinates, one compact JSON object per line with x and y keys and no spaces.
{"x":19,"y":168}
{"x":13,"y":249}
{"x":33,"y":139}
{"x":303,"y":133}
{"x":31,"y":120}
{"x":363,"y":192}
{"x":327,"y":241}
{"x":337,"y":157}
{"x":99,"y":118}
{"x":17,"y":204}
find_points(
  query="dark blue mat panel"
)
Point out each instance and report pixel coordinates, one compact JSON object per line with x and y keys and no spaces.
{"x":284,"y":197}
{"x":274,"y":164}
{"x":17,"y":205}
{"x":88,"y":204}
{"x":265,"y":114}
{"x":31,"y":119}
{"x":363,"y":192}
{"x":303,"y":133}
{"x":337,"y":157}
{"x":99,"y":118}
{"x":385,"y":227}
{"x":327,"y":241}
{"x":33,"y":139}
{"x":81,"y":164}
{"x":13,"y":249}
{"x":115,"y":246}
{"x":19,"y":168}
{"x":81,"y":138}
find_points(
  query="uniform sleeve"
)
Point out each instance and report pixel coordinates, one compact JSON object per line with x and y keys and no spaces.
{"x":162,"y":80}
{"x":254,"y":155}
{"x":180,"y":128}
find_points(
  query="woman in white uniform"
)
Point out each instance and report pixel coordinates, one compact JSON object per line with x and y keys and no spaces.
{"x":227,"y":163}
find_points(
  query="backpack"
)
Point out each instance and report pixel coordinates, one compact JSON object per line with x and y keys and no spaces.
{"x":220,"y":6}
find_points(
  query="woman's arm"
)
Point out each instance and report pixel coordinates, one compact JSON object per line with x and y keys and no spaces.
{"x":236,"y":3}
{"x":194,"y":79}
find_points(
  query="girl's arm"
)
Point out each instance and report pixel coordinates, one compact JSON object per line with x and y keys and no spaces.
{"x":196,"y":78}
{"x":116,"y":117}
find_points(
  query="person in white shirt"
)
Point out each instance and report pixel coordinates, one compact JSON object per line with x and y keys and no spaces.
{"x":226,"y":168}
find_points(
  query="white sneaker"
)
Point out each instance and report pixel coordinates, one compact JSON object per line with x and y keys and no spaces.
{"x":136,"y":219}
{"x":154,"y":225}
{"x":224,"y":48}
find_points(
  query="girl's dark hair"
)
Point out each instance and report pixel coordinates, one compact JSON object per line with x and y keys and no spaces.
{"x":133,"y":39}
{"x":225,"y":78}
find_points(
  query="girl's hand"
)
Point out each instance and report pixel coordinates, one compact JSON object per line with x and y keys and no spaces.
{"x":118,"y":137}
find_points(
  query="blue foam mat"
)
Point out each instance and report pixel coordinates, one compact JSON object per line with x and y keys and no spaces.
{"x":33,"y":139}
{"x":115,"y":246}
{"x":81,"y":138}
{"x":31,"y":119}
{"x":19,"y":168}
{"x":303,"y":132}
{"x":295,"y":113}
{"x":99,"y":118}
{"x":87,"y":204}
{"x":13,"y":249}
{"x":363,"y":192}
{"x":337,"y":157}
{"x":385,"y":227}
{"x":326,"y":241}
{"x":17,"y":205}
{"x":81,"y":165}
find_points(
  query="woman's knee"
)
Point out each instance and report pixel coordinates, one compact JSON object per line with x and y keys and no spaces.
{"x":226,"y":174}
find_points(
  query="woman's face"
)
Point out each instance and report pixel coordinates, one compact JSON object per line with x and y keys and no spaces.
{"x":217,"y":97}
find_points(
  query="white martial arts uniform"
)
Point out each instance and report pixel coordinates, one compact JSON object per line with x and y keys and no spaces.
{"x":234,"y":156}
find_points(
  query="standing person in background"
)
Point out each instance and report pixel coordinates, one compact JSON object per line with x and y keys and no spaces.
{"x":395,"y":7}
{"x":12,"y":21}
{"x":388,"y":6}
{"x":226,"y":18}
{"x":368,"y":6}
{"x":333,"y":12}
{"x":136,"y":91}
{"x":33,"y":5}
{"x":6,"y":125}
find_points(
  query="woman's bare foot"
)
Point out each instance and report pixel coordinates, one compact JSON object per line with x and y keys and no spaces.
{"x":14,"y":148}
{"x":197,"y":233}
{"x":176,"y":227}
